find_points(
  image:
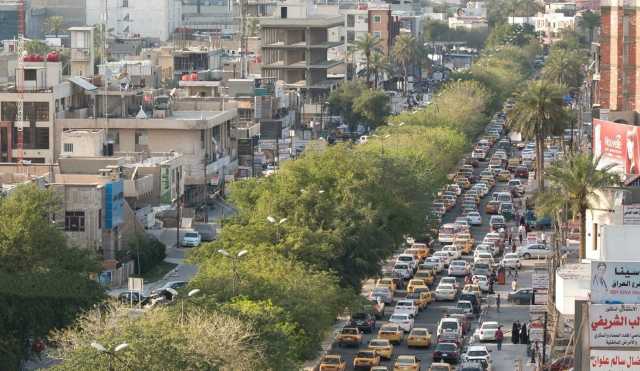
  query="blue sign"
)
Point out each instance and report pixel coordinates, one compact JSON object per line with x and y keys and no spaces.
{"x":114,"y":204}
{"x":568,"y":99}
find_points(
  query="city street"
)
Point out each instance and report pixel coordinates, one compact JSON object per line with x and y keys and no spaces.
{"x":511,"y":354}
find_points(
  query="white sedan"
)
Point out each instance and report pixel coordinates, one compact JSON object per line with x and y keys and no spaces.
{"x":535,"y":250}
{"x":474,"y":218}
{"x":511,"y":260}
{"x":443,"y":256}
{"x":459,"y":268}
{"x":434,"y":263}
{"x":483,"y":256}
{"x":404,"y":320}
{"x":453,"y":251}
{"x":487,"y":331}
{"x":482,"y":282}
{"x":446,"y":292}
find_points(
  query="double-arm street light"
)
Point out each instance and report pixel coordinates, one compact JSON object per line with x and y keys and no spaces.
{"x":111,"y":353}
{"x":277,"y":223}
{"x":234,"y":266}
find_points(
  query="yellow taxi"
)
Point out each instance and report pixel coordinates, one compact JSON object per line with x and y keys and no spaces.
{"x":419,"y":254}
{"x":424,"y":274}
{"x":420,"y":298}
{"x":366,"y":358}
{"x":382,"y":347}
{"x":407,"y":363}
{"x":391,"y":332}
{"x":414,"y":284}
{"x":332,"y":362}
{"x":465,"y":242}
{"x":423,"y":249}
{"x":426,"y":293}
{"x":349,"y":336}
{"x":419,"y":337}
{"x":440,"y":366}
{"x":462,"y":182}
{"x":386,"y":282}
{"x":503,"y":176}
{"x":471,"y":288}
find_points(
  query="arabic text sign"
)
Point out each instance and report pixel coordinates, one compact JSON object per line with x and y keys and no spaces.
{"x":615,"y":360}
{"x":614,"y":325}
{"x":540,"y":280}
{"x":615,"y":282}
{"x":631,"y":214}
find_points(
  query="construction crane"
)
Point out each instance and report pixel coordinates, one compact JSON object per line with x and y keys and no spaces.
{"x":20,"y":49}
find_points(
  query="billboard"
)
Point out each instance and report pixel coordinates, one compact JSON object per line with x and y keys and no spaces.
{"x":615,"y":360}
{"x":631,"y":214}
{"x":615,"y":282}
{"x":114,"y":204}
{"x":614,"y":325}
{"x":618,"y":144}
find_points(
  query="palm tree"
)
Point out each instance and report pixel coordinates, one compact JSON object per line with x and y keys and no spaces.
{"x":578,"y":178}
{"x":404,"y":52}
{"x":538,"y":113}
{"x":367,"y":44}
{"x":589,"y":21}
{"x":564,"y":67}
{"x":378,"y":65}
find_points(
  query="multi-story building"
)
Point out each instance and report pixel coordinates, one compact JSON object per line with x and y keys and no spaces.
{"x":157,"y":19}
{"x":619,"y":85}
{"x":295,"y":46}
{"x":45,"y":97}
{"x":73,"y":13}
{"x":549,"y":25}
{"x":82,"y":58}
{"x":9,"y":19}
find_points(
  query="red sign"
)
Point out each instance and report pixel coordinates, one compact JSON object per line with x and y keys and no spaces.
{"x":618,"y":144}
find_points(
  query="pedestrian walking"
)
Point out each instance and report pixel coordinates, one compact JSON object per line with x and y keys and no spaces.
{"x":498,"y":303}
{"x":513,"y":247}
{"x":515,"y":332}
{"x":524,"y":335}
{"x":520,"y":237}
{"x":510,"y":242}
{"x":491,"y":286}
{"x":499,"y":337}
{"x":514,"y":284}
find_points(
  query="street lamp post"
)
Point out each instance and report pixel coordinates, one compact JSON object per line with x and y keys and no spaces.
{"x":190,"y":294}
{"x":234,"y":266}
{"x":277,"y":223}
{"x":111,"y":354}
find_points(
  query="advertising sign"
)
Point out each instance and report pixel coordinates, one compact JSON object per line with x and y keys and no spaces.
{"x":615,"y":360}
{"x":618,"y":144}
{"x":614,"y":325}
{"x":631,"y":214}
{"x":615,"y":282}
{"x":540,"y":280}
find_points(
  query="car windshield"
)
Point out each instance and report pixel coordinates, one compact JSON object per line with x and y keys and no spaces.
{"x":511,"y":256}
{"x":450,"y":325}
{"x":191,"y":235}
{"x":480,"y":278}
{"x":476,"y":353}
{"x":482,"y":266}
{"x":401,"y":266}
{"x":405,"y":360}
{"x":461,"y":263}
{"x":380,"y":291}
{"x":445,"y":287}
{"x":464,"y":305}
{"x":331,"y":360}
{"x":405,"y":258}
{"x":378,"y":343}
{"x":365,"y":354}
{"x":490,"y":326}
{"x":350,"y":331}
{"x":446,"y":347}
{"x":419,"y":332}
{"x":398,"y":317}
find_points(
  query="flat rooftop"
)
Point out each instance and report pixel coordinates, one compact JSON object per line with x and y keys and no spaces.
{"x":311,"y":22}
{"x":81,"y":179}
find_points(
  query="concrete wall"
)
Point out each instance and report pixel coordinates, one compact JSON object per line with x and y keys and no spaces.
{"x":620,"y":242}
{"x":84,"y":143}
{"x":87,"y":198}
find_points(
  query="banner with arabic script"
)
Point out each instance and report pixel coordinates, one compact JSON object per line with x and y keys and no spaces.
{"x":614,"y":325}
{"x":615,"y":282}
{"x":615,"y":360}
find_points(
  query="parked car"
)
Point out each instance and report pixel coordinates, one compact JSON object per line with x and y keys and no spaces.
{"x":191,"y":239}
{"x":534,"y":250}
{"x":521,"y":296}
{"x":175,"y":285}
{"x":132,"y":297}
{"x":363,"y":321}
{"x":511,"y":260}
{"x":487,"y":331}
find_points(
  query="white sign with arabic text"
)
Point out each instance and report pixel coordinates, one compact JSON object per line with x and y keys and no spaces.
{"x":614,"y":325}
{"x":614,"y":360}
{"x":615,"y":282}
{"x":631,"y":214}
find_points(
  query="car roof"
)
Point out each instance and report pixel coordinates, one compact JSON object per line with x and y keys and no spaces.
{"x":477,"y":347}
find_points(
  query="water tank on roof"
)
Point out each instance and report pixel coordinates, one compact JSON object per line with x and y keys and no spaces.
{"x":194,"y":76}
{"x":216,"y":75}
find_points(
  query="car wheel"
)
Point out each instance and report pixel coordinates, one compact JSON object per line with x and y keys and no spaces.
{"x":526,"y":256}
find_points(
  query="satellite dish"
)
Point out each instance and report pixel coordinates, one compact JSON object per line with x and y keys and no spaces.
{"x":141,"y":114}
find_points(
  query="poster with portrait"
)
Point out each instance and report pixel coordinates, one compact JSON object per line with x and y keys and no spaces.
{"x":614,"y":325}
{"x":618,"y":144}
{"x":615,"y":282}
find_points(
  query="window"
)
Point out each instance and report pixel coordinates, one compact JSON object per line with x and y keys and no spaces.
{"x":141,"y":137}
{"x":42,"y":138}
{"x":376,"y":19}
{"x":100,"y":219}
{"x":377,"y":34}
{"x":595,"y":236}
{"x":125,"y":3}
{"x":351,"y":20}
{"x":9,"y":110}
{"x":74,"y":221}
{"x":30,"y":75}
{"x":351,"y":36}
{"x":68,"y":147}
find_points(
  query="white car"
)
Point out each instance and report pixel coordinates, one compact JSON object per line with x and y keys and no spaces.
{"x":528,"y":154}
{"x":450,"y":281}
{"x":462,"y":220}
{"x":487,"y":331}
{"x":478,"y":154}
{"x":449,"y":325}
{"x":481,"y":281}
{"x":477,"y":351}
{"x":191,"y":239}
{"x":170,"y":285}
{"x":443,"y":256}
{"x":459,"y":268}
{"x":406,"y":306}
{"x":433,"y":263}
{"x":482,"y":248}
{"x":404,"y":320}
{"x":453,"y":251}
{"x":483,"y":256}
{"x":403,"y":270}
{"x":474,"y":218}
{"x":408,"y":259}
{"x":446,"y":292}
{"x":534,"y":250}
{"x":511,"y":260}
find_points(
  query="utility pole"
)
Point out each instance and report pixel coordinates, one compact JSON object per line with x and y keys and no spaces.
{"x":206,"y":190}
{"x":243,"y":39}
{"x":178,"y":216}
{"x":544,"y":340}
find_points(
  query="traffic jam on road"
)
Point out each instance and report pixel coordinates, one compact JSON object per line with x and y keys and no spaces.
{"x":428,"y":307}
